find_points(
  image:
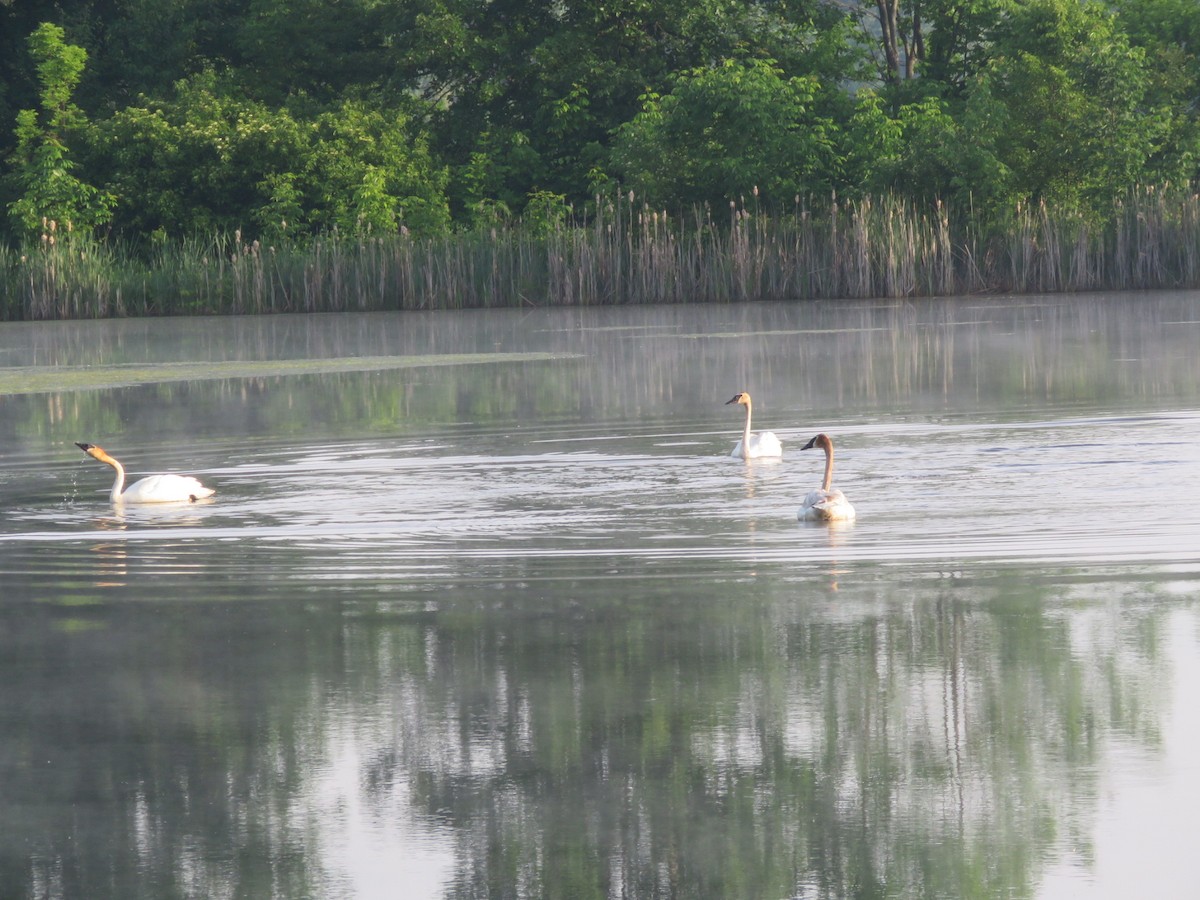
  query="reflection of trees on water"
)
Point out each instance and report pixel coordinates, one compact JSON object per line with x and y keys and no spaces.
{"x":573,"y":740}
{"x":936,"y":746}
{"x":153,"y":753}
{"x":638,"y":364}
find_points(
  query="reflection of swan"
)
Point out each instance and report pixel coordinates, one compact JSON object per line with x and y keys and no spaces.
{"x":825,"y":504}
{"x":752,"y":446}
{"x":155,"y":489}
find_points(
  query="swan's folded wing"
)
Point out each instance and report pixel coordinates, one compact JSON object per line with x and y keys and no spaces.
{"x":826,"y":505}
{"x":769,"y":444}
{"x":166,"y":489}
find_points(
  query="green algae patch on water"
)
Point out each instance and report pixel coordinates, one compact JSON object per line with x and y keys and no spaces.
{"x":791,"y":332}
{"x":44,"y":379}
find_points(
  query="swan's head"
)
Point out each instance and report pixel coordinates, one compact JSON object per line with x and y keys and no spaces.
{"x":94,"y":452}
{"x":821,"y":440}
{"x":742,"y":398}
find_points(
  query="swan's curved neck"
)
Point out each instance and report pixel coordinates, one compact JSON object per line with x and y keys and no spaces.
{"x":828,"y":482}
{"x":119,"y":483}
{"x":746,"y":433}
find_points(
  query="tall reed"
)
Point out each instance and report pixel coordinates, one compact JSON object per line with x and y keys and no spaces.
{"x":623,"y":252}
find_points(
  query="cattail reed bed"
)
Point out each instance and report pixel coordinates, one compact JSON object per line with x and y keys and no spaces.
{"x":625,"y":253}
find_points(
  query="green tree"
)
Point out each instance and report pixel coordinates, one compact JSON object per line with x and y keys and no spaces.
{"x":725,"y":131}
{"x":956,"y":48}
{"x":1059,"y":113}
{"x":210,"y":159}
{"x":531,"y":94}
{"x":43,"y":172}
{"x":1168,"y":31}
{"x":370,"y":170}
{"x":923,"y":46}
{"x":195,"y":163}
{"x":321,"y":49}
{"x":921,"y":152}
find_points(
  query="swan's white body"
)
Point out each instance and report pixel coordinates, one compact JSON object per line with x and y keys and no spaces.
{"x":825,"y":504}
{"x":754,"y":446}
{"x":154,"y":489}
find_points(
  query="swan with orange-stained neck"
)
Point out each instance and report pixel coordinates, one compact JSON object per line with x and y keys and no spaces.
{"x":754,"y":446}
{"x":825,"y":504}
{"x":152,"y":489}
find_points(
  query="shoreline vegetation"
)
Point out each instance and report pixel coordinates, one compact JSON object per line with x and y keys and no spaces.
{"x":381,"y":155}
{"x":623,"y":254}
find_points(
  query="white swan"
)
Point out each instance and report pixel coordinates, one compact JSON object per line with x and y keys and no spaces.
{"x":154,"y":489}
{"x":825,"y":504}
{"x":752,"y":446}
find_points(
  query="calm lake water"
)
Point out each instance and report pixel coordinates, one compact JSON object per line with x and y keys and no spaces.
{"x":483,"y":608}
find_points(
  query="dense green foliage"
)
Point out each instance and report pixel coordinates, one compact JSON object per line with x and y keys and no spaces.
{"x":166,"y":120}
{"x":42,"y":168}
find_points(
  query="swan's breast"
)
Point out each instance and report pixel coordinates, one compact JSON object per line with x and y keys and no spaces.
{"x":765,"y":444}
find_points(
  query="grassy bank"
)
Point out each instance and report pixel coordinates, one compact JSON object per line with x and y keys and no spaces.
{"x":624,"y":254}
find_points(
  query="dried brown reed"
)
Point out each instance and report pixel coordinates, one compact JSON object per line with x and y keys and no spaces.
{"x":623,"y":252}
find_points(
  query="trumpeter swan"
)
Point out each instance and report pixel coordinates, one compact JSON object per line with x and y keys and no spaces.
{"x":752,"y":446}
{"x":154,"y":489}
{"x":825,"y":504}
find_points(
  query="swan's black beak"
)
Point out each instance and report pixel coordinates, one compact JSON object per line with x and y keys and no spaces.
{"x":810,"y":444}
{"x":734,"y":400}
{"x":84,"y":447}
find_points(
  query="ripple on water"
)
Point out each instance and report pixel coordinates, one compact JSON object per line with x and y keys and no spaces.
{"x":1076,"y":492}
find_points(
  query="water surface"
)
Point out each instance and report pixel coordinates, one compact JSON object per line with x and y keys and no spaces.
{"x":482,"y":607}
